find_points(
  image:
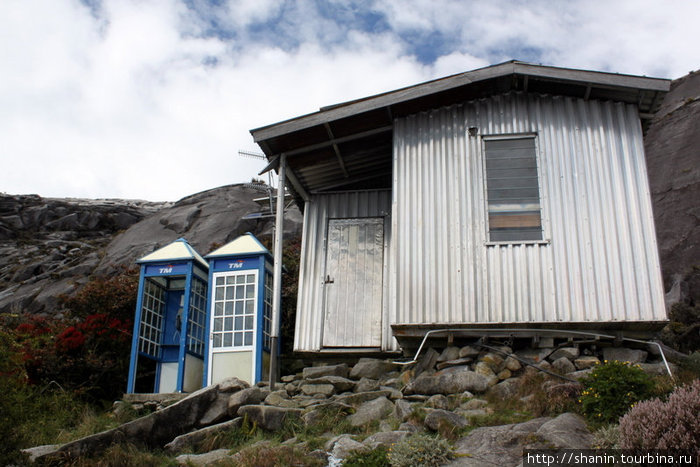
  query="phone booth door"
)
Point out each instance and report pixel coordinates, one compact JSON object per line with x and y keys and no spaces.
{"x":233,"y":324}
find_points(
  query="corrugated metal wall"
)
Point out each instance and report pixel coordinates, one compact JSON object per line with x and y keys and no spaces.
{"x":599,"y":261}
{"x":309,"y":322}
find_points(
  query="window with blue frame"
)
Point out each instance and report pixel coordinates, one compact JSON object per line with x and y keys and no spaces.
{"x":152,"y":312}
{"x":197,"y":317}
{"x":267,"y":312}
{"x":234,"y":308}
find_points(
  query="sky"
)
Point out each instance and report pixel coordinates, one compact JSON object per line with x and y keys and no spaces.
{"x":153,"y":99}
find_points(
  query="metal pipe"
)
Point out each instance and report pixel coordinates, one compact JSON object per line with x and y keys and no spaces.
{"x":516,"y":330}
{"x":515,"y":357}
{"x":277,"y":277}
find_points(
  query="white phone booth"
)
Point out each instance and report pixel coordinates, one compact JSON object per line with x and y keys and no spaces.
{"x":239,"y":310}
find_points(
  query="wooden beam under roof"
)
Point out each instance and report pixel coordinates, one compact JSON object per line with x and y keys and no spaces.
{"x":351,"y":180}
{"x":344,"y":139}
{"x":336,"y":149}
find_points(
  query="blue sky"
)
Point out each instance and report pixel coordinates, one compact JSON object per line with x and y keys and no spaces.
{"x":153,"y":99}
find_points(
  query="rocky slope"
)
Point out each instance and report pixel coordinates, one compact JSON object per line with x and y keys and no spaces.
{"x":443,"y":393}
{"x":50,"y":247}
{"x":672,"y":146}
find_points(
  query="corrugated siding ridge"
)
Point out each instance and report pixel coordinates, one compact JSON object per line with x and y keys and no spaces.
{"x":310,"y":299}
{"x":596,"y":213}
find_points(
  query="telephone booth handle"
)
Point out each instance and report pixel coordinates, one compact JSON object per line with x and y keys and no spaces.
{"x":328,"y":280}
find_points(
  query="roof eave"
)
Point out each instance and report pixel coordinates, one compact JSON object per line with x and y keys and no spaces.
{"x":575,"y":77}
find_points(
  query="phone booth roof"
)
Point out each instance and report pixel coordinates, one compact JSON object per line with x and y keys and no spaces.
{"x":179,"y":250}
{"x":246,"y":244}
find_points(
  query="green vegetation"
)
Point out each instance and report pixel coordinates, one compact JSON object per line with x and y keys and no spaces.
{"x":85,"y":351}
{"x":272,"y":454}
{"x":377,"y":457}
{"x":420,"y":450}
{"x":607,"y":437}
{"x":125,"y":455}
{"x":612,"y":389}
{"x":57,"y":373}
{"x":547,"y":396}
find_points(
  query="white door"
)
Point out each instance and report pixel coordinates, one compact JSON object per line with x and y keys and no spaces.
{"x":232,"y":336}
{"x":353,"y":283}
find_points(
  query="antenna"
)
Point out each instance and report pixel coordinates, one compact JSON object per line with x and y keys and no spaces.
{"x":269,"y":189}
{"x":251,"y":154}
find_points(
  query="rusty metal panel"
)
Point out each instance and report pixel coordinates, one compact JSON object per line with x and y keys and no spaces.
{"x":598,"y":260}
{"x":310,"y":302}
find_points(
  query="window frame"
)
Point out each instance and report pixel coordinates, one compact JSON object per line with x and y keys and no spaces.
{"x":233,"y":347}
{"x":540,"y":178}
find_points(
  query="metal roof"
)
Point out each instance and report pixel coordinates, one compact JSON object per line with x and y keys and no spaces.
{"x":349,"y":145}
{"x":243,"y":245}
{"x":179,"y":250}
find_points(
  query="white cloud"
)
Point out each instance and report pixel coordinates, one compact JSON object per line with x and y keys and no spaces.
{"x":152,"y":99}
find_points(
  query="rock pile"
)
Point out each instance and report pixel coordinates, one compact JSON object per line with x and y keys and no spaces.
{"x":442,"y":392}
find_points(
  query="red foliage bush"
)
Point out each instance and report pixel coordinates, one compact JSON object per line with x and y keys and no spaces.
{"x":70,"y":339}
{"x":88,"y":350}
{"x":673,"y":424}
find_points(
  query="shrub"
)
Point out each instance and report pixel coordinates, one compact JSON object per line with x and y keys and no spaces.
{"x":547,"y":396}
{"x":682,"y":331}
{"x":611,"y":389}
{"x":607,"y":437}
{"x":420,"y":450}
{"x":690,"y":367}
{"x":269,"y":454}
{"x":655,"y":424}
{"x":377,"y":457}
{"x":123,"y":455}
{"x":87,"y":351}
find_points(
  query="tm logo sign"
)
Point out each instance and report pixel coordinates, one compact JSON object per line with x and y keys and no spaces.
{"x":236,"y":265}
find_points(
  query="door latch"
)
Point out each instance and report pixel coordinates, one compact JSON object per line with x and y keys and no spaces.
{"x":328,"y":280}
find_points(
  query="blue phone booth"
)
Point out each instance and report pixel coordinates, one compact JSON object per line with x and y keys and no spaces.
{"x":240,"y":309}
{"x":168,"y":346}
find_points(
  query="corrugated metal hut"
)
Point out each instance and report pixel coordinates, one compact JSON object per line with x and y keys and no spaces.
{"x":513,"y":196}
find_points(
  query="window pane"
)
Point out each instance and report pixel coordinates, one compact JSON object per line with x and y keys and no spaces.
{"x":227,"y":339}
{"x":238,"y":339}
{"x":512,"y":190}
{"x":228,"y":324}
{"x":229,"y":308}
{"x":229,"y":293}
{"x":219,"y":281}
{"x":218,"y":309}
{"x":248,"y":338}
{"x":239,"y":308}
{"x":249,"y":306}
{"x":239,"y":323}
{"x":217,"y":340}
{"x":218,"y":324}
{"x":240,"y":279}
{"x":248,"y":322}
{"x":250,"y":278}
{"x":249,"y":291}
{"x":231,"y":279}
